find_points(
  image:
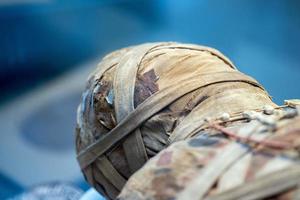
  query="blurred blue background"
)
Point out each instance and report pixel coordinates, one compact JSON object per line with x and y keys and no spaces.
{"x":41,"y":40}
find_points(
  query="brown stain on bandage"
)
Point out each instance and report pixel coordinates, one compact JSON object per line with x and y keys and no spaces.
{"x":145,"y":86}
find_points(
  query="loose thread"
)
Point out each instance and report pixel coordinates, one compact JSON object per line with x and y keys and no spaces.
{"x":273,"y":144}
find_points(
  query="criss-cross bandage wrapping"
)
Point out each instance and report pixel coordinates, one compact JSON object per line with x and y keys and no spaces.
{"x":143,"y":98}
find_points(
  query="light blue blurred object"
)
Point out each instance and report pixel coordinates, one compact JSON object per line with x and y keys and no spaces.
{"x":51,"y":191}
{"x":92,"y":194}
